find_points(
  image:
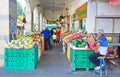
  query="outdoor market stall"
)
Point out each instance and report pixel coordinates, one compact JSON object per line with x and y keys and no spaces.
{"x":78,"y":47}
{"x":23,"y":53}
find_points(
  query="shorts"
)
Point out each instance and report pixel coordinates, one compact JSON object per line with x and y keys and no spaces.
{"x":54,"y":41}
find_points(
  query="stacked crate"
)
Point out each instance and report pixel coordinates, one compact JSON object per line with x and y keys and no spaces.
{"x":79,"y":59}
{"x":20,"y":59}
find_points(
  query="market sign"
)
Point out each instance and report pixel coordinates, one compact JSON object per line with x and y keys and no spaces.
{"x":81,"y":12}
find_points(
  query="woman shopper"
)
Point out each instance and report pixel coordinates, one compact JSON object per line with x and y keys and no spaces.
{"x":101,"y":49}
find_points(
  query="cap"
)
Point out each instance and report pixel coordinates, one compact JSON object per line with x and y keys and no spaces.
{"x":101,"y":31}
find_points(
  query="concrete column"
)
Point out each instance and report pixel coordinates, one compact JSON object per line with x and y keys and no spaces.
{"x":38,"y":22}
{"x":28,"y":17}
{"x":8,"y":15}
{"x":36,"y":18}
{"x":41,"y":22}
{"x":12,"y":19}
{"x":32,"y":16}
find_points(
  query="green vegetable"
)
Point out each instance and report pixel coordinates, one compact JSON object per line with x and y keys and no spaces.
{"x":81,"y":43}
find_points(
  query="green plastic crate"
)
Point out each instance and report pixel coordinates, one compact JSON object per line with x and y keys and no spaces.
{"x":79,"y":59}
{"x":20,"y":59}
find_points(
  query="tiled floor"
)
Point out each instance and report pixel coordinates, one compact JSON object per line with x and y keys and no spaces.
{"x":52,"y":64}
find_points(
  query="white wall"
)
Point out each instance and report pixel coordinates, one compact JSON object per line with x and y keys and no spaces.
{"x":105,"y":24}
{"x":117,"y":26}
{"x":107,"y":9}
{"x":90,"y":20}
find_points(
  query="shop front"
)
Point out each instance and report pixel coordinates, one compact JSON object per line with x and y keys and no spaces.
{"x":81,"y":15}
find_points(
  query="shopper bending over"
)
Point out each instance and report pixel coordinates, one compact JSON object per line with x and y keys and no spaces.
{"x":47,"y":35}
{"x":101,"y":49}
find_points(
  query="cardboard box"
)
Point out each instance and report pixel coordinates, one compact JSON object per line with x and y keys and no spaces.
{"x":90,"y":38}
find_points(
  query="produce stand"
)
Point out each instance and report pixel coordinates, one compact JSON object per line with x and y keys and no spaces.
{"x":20,"y":59}
{"x":24,"y":53}
{"x":75,"y":45}
{"x":79,"y":58}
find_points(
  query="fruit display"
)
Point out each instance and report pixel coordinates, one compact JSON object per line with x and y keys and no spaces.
{"x":73,"y":36}
{"x":36,"y":37}
{"x":20,"y":43}
{"x":81,"y":43}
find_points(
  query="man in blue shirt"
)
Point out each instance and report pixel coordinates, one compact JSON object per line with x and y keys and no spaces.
{"x":101,"y":50}
{"x":47,"y":35}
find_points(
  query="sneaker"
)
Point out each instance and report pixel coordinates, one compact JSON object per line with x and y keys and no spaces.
{"x":102,"y":65}
{"x":97,"y":67}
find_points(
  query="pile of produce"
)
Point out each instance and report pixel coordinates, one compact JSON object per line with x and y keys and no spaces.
{"x":36,"y":37}
{"x":21,"y":43}
{"x":81,"y":43}
{"x":74,"y":36}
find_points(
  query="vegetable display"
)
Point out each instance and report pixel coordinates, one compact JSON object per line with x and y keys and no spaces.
{"x":21,"y":43}
{"x":25,"y":41}
{"x":81,"y":43}
{"x":36,"y":37}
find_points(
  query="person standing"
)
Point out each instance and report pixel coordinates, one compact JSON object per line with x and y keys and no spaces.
{"x":101,"y":49}
{"x":54,"y":39}
{"x":23,"y":27}
{"x":47,"y":35}
{"x":58,"y":34}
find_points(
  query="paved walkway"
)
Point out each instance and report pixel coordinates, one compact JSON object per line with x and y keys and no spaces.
{"x":52,"y":64}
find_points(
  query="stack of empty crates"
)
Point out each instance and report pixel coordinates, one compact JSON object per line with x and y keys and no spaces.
{"x":20,"y":59}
